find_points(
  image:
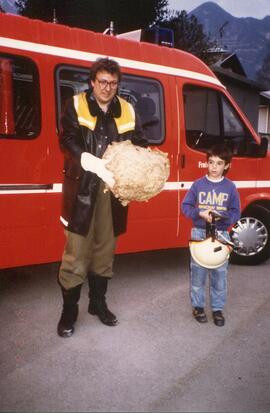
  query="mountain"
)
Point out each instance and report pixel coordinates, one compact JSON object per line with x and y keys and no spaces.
{"x":249,"y":38}
{"x":8,"y":6}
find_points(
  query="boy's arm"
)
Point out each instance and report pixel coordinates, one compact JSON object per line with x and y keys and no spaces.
{"x":234,"y":211}
{"x":189,"y":203}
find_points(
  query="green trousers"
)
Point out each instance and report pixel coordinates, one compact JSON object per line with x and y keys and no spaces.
{"x":93,"y":253}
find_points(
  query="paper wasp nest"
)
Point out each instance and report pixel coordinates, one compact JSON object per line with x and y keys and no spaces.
{"x":139,"y":173}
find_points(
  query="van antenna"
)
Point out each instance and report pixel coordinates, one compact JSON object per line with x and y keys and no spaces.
{"x":110,"y":30}
{"x":54,"y":16}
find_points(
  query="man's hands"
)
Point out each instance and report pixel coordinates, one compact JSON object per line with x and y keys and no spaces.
{"x":98,"y":166}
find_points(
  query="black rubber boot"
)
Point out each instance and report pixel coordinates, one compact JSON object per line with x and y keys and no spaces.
{"x":70,"y":311}
{"x":97,"y":304}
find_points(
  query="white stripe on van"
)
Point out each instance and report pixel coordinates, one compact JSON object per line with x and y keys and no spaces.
{"x":173,"y":186}
{"x":90,"y":57}
{"x":169,"y":186}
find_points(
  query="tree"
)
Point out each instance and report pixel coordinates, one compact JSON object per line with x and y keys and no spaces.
{"x":189,"y":35}
{"x":96,"y":15}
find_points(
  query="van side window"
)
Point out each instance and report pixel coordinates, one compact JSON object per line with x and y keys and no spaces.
{"x":20,"y":112}
{"x":69,"y":82}
{"x":145,"y":94}
{"x":210,"y":118}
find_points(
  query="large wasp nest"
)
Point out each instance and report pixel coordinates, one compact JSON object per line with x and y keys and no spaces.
{"x":139,"y":173}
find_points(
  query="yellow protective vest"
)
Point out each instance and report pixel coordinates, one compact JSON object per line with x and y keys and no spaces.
{"x":125,"y":123}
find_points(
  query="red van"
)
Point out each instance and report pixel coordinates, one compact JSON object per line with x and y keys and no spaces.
{"x":184,"y":109}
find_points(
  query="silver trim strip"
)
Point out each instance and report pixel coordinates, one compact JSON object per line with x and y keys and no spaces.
{"x":16,"y":189}
{"x":184,"y":185}
{"x":11,"y":189}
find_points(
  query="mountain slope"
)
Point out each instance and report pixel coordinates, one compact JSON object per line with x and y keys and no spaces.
{"x":246,"y":36}
{"x":8,"y":6}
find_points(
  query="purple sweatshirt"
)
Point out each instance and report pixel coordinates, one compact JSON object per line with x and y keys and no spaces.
{"x":221,"y":196}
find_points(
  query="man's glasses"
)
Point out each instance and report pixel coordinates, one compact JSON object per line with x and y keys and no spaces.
{"x":103,"y":84}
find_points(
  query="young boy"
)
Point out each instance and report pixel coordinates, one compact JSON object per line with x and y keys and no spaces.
{"x":212,"y":192}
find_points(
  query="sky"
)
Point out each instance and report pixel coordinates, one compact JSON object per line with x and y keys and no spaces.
{"x":238,"y":8}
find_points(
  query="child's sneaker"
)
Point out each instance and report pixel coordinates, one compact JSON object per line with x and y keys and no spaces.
{"x":218,"y":318}
{"x":199,"y":315}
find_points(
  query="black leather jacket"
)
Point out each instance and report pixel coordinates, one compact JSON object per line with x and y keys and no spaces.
{"x":80,"y":187}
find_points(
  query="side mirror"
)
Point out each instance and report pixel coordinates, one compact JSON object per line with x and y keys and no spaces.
{"x":263,"y":148}
{"x":254,"y":150}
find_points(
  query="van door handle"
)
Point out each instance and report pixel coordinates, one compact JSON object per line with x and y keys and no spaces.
{"x":182,"y":161}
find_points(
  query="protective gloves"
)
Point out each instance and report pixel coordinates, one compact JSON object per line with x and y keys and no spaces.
{"x":97,"y":166}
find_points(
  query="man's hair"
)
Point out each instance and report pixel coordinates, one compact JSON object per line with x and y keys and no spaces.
{"x":222,"y":151}
{"x":105,"y":64}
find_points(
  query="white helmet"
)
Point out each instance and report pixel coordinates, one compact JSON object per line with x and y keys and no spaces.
{"x":209,"y":253}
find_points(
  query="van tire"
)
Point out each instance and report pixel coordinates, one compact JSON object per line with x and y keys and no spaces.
{"x":259,"y":217}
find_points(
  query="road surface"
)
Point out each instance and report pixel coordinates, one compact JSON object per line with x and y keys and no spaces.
{"x":158,"y":359}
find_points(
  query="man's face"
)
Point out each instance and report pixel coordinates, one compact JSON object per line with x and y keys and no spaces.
{"x":104,"y":87}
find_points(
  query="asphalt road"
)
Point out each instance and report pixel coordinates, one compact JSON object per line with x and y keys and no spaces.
{"x":158,"y":359}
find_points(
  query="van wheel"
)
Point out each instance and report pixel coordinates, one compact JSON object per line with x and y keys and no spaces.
{"x":251,"y":235}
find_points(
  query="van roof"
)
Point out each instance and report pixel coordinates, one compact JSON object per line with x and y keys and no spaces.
{"x":73,"y":42}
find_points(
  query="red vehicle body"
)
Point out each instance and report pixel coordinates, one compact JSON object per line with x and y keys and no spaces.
{"x":41,"y":64}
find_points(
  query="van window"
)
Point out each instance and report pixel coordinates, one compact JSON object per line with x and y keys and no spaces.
{"x":210,"y":118}
{"x":69,"y":81}
{"x":145,"y":94}
{"x":20,"y":112}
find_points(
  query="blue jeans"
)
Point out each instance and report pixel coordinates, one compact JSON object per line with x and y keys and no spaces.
{"x":217,"y":279}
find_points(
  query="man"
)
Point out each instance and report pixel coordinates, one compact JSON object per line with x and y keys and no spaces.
{"x":93,"y":219}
